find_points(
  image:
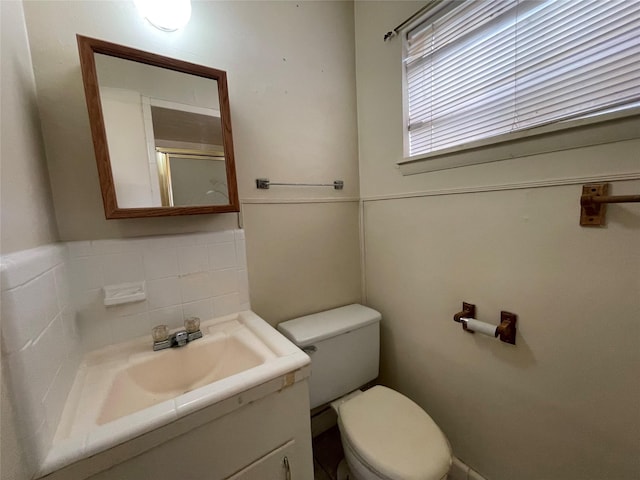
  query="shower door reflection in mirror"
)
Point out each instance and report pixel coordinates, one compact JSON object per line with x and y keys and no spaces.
{"x":191,"y":177}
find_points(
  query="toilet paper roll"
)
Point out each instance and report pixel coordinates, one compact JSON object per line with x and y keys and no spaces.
{"x":481,"y":327}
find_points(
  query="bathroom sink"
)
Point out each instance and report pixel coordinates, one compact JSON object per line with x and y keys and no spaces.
{"x":181,"y":370}
{"x":153,"y":377}
{"x":126,"y":390}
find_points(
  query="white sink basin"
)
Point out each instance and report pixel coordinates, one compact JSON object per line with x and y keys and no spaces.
{"x":226,"y":349}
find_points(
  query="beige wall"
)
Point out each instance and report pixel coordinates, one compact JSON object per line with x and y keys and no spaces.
{"x":563,"y":402}
{"x":291,"y":76}
{"x":302,"y":259}
{"x":25,"y":191}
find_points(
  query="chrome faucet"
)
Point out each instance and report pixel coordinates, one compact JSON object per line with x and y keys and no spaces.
{"x":179,"y":339}
{"x":162,"y":339}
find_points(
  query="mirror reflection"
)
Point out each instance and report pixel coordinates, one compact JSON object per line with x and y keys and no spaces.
{"x":161,"y":130}
{"x":164,"y":135}
{"x":191,"y":177}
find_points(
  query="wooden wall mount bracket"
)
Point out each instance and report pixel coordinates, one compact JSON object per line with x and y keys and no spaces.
{"x":593,"y":214}
{"x":468,"y":311}
{"x":593,"y":203}
{"x":507,"y":328}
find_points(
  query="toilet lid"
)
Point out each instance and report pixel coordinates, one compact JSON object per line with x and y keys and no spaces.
{"x":394,"y":436}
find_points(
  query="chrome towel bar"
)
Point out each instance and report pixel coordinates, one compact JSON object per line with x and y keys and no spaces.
{"x":264,"y":184}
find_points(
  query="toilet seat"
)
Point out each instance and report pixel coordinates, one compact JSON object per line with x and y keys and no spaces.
{"x":394,"y":436}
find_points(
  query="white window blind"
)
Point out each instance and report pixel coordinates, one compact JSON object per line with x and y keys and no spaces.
{"x":488,"y":68}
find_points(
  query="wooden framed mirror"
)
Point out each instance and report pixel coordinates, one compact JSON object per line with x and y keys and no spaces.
{"x":151,"y":115}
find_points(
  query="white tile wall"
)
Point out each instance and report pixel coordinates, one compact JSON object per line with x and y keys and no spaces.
{"x":52,"y":309}
{"x":40,"y":342}
{"x":185,"y":275}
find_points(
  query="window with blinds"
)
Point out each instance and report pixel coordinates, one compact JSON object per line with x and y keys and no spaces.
{"x":480,"y":70}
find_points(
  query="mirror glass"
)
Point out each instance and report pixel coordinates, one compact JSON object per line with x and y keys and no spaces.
{"x":161,"y":133}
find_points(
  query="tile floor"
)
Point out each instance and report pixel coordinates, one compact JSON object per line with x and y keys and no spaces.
{"x":327,"y":453}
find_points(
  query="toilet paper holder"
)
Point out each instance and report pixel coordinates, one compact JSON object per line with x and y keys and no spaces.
{"x":506,"y":330}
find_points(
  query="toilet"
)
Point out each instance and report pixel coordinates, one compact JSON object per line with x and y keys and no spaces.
{"x":385,"y":435}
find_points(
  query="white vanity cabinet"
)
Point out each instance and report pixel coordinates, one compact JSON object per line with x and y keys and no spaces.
{"x":245,"y":437}
{"x":276,"y":465}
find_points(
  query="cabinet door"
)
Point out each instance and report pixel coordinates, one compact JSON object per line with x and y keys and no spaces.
{"x":279,"y":464}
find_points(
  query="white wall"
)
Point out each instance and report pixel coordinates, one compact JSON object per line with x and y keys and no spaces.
{"x":127,"y":140}
{"x":157,"y":83}
{"x":504,"y":236}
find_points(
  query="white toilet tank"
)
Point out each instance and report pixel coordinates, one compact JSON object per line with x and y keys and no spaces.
{"x":344,"y":346}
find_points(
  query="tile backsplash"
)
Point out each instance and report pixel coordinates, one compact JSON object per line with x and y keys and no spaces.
{"x":53,"y":309}
{"x":41,"y":347}
{"x":202,"y":275}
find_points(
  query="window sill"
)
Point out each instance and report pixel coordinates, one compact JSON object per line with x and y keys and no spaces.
{"x":551,"y":138}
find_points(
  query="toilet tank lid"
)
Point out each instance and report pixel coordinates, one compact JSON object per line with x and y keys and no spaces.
{"x":304,"y":331}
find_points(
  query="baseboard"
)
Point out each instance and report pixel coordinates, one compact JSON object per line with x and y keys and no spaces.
{"x":322,"y":421}
{"x":462,"y":471}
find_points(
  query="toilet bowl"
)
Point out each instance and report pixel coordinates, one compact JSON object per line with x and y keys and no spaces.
{"x":385,"y":435}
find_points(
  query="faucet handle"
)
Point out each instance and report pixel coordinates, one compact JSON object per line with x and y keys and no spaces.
{"x":160,"y":333}
{"x":192,"y":324}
